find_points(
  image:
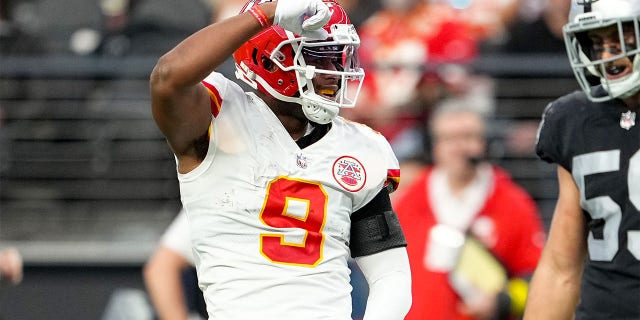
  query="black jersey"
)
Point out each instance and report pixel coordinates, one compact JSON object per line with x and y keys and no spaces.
{"x":599,"y":144}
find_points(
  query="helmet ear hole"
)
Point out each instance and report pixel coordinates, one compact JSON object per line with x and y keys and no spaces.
{"x":267,"y":64}
{"x":254,"y":56}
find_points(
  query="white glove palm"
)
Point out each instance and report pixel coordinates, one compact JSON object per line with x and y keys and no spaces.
{"x":291,"y":14}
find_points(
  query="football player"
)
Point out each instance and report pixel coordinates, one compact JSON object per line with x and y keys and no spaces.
{"x":166,"y":272}
{"x":278,"y":189}
{"x":591,"y":264}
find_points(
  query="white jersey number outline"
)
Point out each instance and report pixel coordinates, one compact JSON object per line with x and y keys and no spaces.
{"x":603,"y":207}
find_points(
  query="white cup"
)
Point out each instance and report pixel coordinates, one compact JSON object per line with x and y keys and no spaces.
{"x":444,"y":244}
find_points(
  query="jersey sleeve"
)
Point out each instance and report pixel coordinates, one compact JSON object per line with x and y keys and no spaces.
{"x":374,"y":225}
{"x":177,"y":238}
{"x":550,"y":137}
{"x":393,"y":167}
{"x":216,"y":85}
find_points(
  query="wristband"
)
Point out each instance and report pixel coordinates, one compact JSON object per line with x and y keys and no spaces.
{"x":257,"y":13}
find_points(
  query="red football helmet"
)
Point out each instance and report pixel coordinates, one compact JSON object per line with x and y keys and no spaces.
{"x":273,"y":61}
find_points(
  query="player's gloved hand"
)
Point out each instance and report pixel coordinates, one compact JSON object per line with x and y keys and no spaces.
{"x":303,"y":17}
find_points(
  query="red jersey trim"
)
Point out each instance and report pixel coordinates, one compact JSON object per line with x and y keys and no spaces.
{"x":393,"y":178}
{"x":214,"y":97}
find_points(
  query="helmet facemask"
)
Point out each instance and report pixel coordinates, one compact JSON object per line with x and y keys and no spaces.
{"x":341,"y":47}
{"x":274,"y":62}
{"x":586,"y":58}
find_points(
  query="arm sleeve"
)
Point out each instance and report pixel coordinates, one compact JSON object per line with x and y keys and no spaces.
{"x":389,"y":278}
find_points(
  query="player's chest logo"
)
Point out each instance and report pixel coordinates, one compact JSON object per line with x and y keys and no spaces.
{"x":349,"y":173}
{"x":627,"y":120}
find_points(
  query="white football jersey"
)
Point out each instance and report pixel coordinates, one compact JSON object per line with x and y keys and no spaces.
{"x":270,"y":222}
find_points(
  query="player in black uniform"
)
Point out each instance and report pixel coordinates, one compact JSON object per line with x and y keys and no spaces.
{"x":590,"y":266}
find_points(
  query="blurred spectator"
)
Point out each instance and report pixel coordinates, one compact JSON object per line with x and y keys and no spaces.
{"x":542,"y":33}
{"x":487,"y":20}
{"x":456,"y":84}
{"x":166,"y":275}
{"x":10,"y":266}
{"x":415,"y":53}
{"x":520,"y":138}
{"x":477,"y":203}
{"x":399,"y":39}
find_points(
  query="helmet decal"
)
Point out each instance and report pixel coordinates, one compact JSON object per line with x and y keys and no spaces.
{"x":586,"y":4}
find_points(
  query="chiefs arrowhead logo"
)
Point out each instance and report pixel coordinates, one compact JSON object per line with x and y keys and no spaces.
{"x":349,"y":173}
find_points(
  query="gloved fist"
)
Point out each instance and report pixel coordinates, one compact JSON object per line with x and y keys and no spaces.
{"x":291,"y":14}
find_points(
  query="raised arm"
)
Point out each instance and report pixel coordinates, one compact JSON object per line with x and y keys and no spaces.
{"x":555,"y":286}
{"x":180,"y":104}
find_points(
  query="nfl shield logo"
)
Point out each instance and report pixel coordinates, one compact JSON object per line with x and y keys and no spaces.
{"x":627,"y":120}
{"x":301,"y":161}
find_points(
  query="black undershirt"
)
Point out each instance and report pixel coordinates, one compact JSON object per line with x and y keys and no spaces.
{"x":319,"y":130}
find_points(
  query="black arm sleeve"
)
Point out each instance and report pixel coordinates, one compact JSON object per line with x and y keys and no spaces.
{"x":375,"y":227}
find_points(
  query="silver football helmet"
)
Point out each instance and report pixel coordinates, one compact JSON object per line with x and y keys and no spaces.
{"x":586,"y":56}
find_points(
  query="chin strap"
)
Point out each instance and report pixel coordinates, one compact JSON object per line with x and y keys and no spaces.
{"x":319,"y":113}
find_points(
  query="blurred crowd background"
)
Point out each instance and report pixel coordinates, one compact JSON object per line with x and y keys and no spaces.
{"x":88,"y":185}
